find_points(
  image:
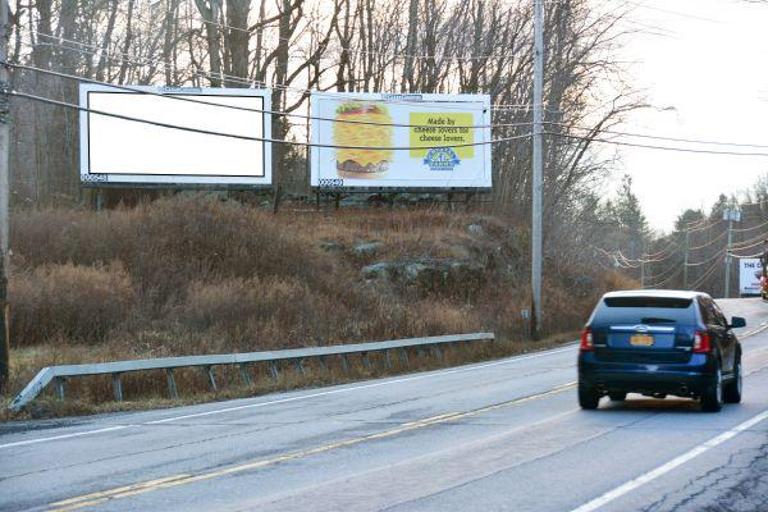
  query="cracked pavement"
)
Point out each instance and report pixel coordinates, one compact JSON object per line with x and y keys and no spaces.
{"x":501,"y":435}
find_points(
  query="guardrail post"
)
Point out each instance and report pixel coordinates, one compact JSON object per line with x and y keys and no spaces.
{"x":173,"y":391}
{"x":245,"y":374}
{"x":59,"y":382}
{"x":211,"y":378}
{"x":117,"y":387}
{"x":323,"y":366}
{"x":60,"y":374}
{"x":300,"y":366}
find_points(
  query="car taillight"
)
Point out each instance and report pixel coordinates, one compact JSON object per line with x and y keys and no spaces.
{"x":701,"y":343}
{"x":586,"y":340}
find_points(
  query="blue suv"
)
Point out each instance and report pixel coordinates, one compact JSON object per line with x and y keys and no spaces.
{"x":659,"y":343}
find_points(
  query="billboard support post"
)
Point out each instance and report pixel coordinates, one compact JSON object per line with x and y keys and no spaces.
{"x":538,"y":164}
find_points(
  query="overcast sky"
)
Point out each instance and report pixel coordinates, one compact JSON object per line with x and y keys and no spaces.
{"x":712,"y":67}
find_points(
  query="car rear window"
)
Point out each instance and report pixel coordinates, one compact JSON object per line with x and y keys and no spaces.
{"x":648,"y":302}
{"x":645,"y":310}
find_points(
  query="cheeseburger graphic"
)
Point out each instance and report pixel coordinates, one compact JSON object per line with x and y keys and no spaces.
{"x":363,"y":163}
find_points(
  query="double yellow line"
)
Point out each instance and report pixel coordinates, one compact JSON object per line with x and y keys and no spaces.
{"x":96,"y":498}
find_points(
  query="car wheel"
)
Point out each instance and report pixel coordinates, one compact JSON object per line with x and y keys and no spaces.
{"x":712,"y":399}
{"x":732,"y":391}
{"x":618,"y":396}
{"x":589,"y":398}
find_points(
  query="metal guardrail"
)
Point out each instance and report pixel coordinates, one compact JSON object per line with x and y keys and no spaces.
{"x":59,"y":374}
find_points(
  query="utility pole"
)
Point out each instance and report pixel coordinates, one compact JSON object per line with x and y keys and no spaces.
{"x":538,"y":164}
{"x":642,"y":273}
{"x":5,"y":145}
{"x":730,"y":214}
{"x":685,"y":258}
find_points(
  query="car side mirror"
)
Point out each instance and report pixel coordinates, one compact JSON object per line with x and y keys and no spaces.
{"x":737,"y":322}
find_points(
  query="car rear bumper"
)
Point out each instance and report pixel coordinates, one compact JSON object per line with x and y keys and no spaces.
{"x":684,"y":379}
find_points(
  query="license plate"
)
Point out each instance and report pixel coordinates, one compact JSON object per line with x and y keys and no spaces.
{"x":641,"y":340}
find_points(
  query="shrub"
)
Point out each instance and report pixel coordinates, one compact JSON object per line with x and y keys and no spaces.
{"x":69,"y":303}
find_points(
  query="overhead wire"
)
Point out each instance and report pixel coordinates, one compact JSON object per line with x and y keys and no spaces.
{"x":708,"y":260}
{"x":705,"y":226}
{"x":716,"y":239}
{"x":742,"y":230}
{"x":120,"y":56}
{"x":663,"y":148}
{"x":762,"y":241}
{"x":246,"y":137}
{"x":177,"y":97}
{"x":676,"y":272}
{"x":663,"y":137}
{"x":708,"y":273}
{"x":665,"y":277}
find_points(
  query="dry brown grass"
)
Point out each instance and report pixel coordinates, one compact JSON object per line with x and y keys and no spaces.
{"x":147,"y":390}
{"x":195,"y":275}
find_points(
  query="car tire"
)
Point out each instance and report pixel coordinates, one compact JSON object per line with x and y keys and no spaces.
{"x":732,"y":388}
{"x":589,"y":398}
{"x":617,"y":396}
{"x":712,"y":398}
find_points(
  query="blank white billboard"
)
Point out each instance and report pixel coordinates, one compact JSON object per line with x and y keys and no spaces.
{"x":401,"y":141}
{"x":128,"y":152}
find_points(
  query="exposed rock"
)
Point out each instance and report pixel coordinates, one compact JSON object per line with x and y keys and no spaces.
{"x":367,"y":248}
{"x":377,"y":270}
{"x":330,"y":246}
{"x":476,"y":229}
{"x":428,"y":275}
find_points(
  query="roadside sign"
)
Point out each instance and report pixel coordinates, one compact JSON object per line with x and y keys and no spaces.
{"x":750,"y":272}
{"x":401,"y":141}
{"x":125,"y":152}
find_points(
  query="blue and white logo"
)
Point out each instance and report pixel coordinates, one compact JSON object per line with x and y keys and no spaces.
{"x":441,"y":159}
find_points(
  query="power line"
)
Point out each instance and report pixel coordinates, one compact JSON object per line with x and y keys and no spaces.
{"x":667,"y":138}
{"x":670,"y":11}
{"x":246,"y":137}
{"x":246,"y":109}
{"x":704,"y":225}
{"x":717,"y":238}
{"x":675,"y":273}
{"x":665,"y":275}
{"x":708,"y":260}
{"x":750,"y":229}
{"x":754,"y":243}
{"x":119,"y":56}
{"x":663,"y":148}
{"x":708,"y":273}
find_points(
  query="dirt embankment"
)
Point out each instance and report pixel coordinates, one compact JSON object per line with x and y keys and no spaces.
{"x":195,"y":275}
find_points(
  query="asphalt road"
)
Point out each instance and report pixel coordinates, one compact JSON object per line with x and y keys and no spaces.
{"x":503,"y":435}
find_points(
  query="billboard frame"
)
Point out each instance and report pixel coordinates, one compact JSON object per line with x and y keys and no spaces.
{"x":429,"y":98}
{"x":178,"y":181}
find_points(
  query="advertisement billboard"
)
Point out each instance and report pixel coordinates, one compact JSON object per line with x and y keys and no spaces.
{"x":128,"y":152}
{"x":401,"y":141}
{"x":750,"y":272}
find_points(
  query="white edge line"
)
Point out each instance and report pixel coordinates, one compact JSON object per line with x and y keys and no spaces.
{"x":669,"y":466}
{"x":387,"y":382}
{"x":64,"y":436}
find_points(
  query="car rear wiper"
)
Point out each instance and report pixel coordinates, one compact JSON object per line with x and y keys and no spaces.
{"x":656,"y":320}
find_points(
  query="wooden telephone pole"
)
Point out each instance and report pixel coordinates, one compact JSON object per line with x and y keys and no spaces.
{"x":5,"y":144}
